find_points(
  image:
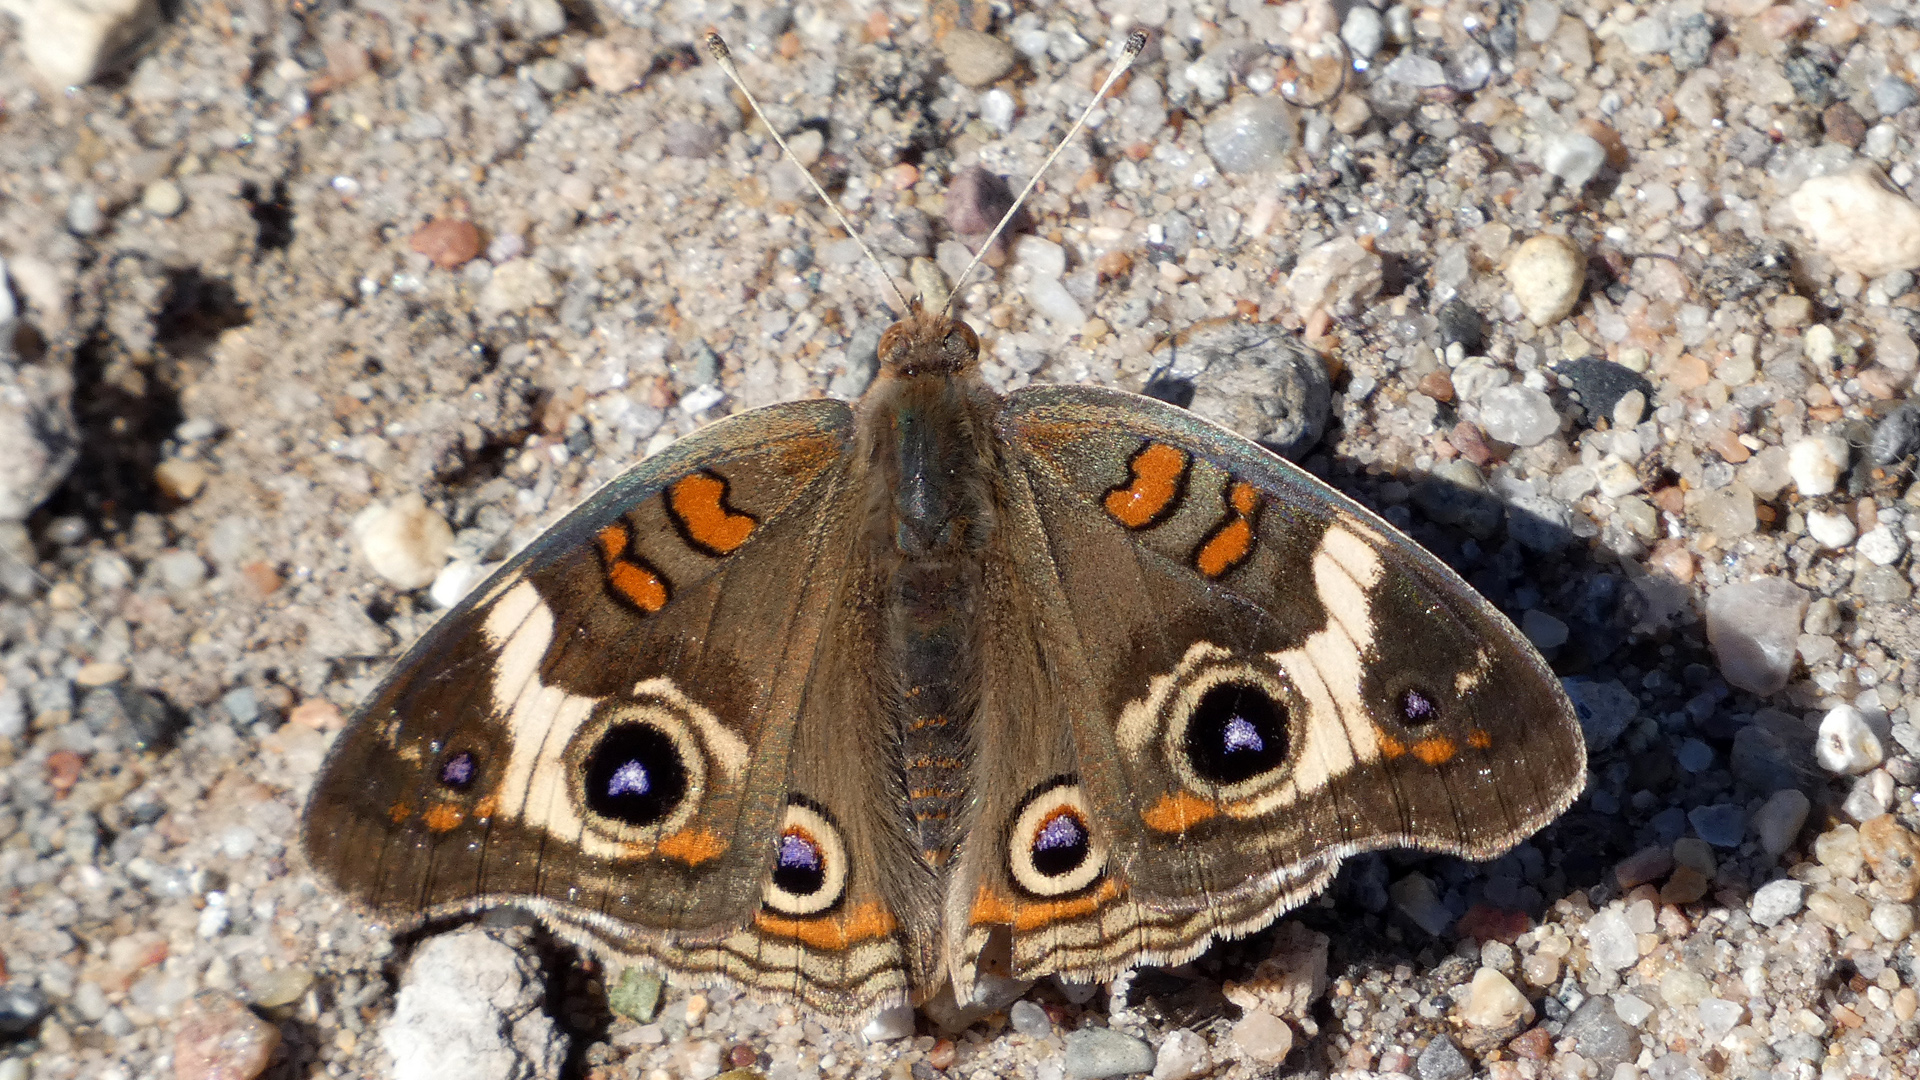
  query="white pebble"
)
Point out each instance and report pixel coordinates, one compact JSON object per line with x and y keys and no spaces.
{"x":1052,"y":300}
{"x":1339,"y":277}
{"x":1263,"y":1037}
{"x":1846,"y":746}
{"x":1573,"y":156}
{"x":162,"y":198}
{"x":1778,"y":822}
{"x":1363,"y":31}
{"x":1816,"y":463}
{"x":1833,"y":531}
{"x":1182,"y":1055}
{"x":1857,"y":223}
{"x":889,"y":1024}
{"x":1494,"y":1003}
{"x":1776,"y":900}
{"x":404,"y":541}
{"x":71,"y":41}
{"x":1040,"y":258}
{"x":1892,"y":921}
{"x":1519,"y":415}
{"x":1881,"y":546}
{"x":1546,"y":275}
{"x":454,"y":581}
{"x":516,"y":285}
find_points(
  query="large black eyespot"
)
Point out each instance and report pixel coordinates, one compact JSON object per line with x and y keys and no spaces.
{"x":809,"y":862}
{"x":1051,"y":849}
{"x":458,"y":770}
{"x":1236,"y":733}
{"x":635,"y":775}
{"x":1417,"y":708}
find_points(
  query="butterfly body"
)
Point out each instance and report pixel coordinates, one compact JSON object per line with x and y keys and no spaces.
{"x":839,"y":703}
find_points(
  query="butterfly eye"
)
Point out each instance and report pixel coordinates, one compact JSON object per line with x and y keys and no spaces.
{"x":1052,"y":848}
{"x":635,"y":775}
{"x":458,"y":770}
{"x":809,"y":863}
{"x":1417,"y":709}
{"x":961,"y":341}
{"x":1236,"y":733}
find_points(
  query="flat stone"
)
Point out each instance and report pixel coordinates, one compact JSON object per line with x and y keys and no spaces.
{"x":1776,"y":901}
{"x":1857,"y":223}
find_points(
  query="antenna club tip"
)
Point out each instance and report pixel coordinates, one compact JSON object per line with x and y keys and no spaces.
{"x":1136,"y":43}
{"x":718,"y":47}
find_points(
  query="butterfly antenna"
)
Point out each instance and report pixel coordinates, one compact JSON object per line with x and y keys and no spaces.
{"x":723,"y":56}
{"x":1136,"y":42}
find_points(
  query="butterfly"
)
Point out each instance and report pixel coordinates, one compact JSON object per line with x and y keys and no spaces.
{"x":851,"y":704}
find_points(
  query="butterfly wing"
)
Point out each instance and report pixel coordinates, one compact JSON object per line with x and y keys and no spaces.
{"x":1211,"y":678}
{"x":637,"y":730}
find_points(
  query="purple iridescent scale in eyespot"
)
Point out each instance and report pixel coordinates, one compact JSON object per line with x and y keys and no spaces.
{"x":629,"y":779}
{"x":457,"y":771}
{"x":1241,"y":734}
{"x":1416,"y":707}
{"x":1060,"y":831}
{"x":798,"y":852}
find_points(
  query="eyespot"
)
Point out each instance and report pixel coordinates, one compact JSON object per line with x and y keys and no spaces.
{"x":1416,"y":707}
{"x":1052,"y":849}
{"x":1235,"y":733}
{"x":458,"y":770}
{"x":809,"y":863}
{"x":635,"y":774}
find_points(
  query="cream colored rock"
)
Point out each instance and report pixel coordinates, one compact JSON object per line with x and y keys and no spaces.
{"x":1546,"y":274}
{"x":1858,"y":223}
{"x":69,"y":42}
{"x":404,"y":541}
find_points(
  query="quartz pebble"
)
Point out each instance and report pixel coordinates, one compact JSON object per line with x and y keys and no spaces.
{"x":1881,"y":546}
{"x":1546,"y":275}
{"x":1817,"y":463}
{"x":470,"y":1004}
{"x":1029,"y":1019}
{"x":1754,"y":630}
{"x":1363,"y":31}
{"x":1519,"y":415}
{"x":1846,"y":745}
{"x":1096,"y":1052}
{"x":1611,"y":943}
{"x":1833,"y":531}
{"x":1893,"y":853}
{"x":1776,"y":901}
{"x":404,"y":541}
{"x":1778,"y":821}
{"x":1252,"y":134}
{"x":1182,"y":1055}
{"x":1573,"y":156}
{"x":162,"y":198}
{"x":70,"y":42}
{"x":1892,"y":921}
{"x":1263,"y":1036}
{"x":221,"y":1039}
{"x":1494,"y":1004}
{"x":518,"y":285}
{"x":1854,"y":220}
{"x":1339,"y":277}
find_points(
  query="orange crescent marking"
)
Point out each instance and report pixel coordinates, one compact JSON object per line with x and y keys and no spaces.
{"x":831,"y":933}
{"x":692,"y":846}
{"x":1390,"y":747}
{"x":1157,"y":471}
{"x":613,"y":542}
{"x":1178,"y":812}
{"x":443,"y":817}
{"x":399,"y":812}
{"x":1436,"y":750}
{"x":487,"y":807}
{"x":1479,"y":739}
{"x":638,"y":584}
{"x":1232,"y":542}
{"x":698,"y":503}
{"x":990,"y":908}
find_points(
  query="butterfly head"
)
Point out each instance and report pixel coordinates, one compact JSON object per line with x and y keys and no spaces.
{"x":928,"y":343}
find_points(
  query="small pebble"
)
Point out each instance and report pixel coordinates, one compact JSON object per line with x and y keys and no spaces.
{"x":1846,"y":745}
{"x":1339,"y":277}
{"x":1723,"y":825}
{"x":1871,"y":796}
{"x":890,"y":1024}
{"x":447,"y":242}
{"x":1252,"y":134}
{"x":1833,"y":531}
{"x":1881,"y":545}
{"x":1838,"y":849}
{"x":1519,"y":415}
{"x":1893,"y":852}
{"x":539,"y":19}
{"x":405,"y":541}
{"x":1754,"y":630}
{"x":612,"y":67}
{"x":1817,"y":463}
{"x":1364,"y":31}
{"x":1611,"y":942}
{"x":553,"y":75}
{"x":1575,"y":157}
{"x":1182,"y":1055}
{"x":976,"y":59}
{"x":1893,"y":922}
{"x":218,"y":1038}
{"x":1442,"y":1060}
{"x":1776,"y":901}
{"x":1096,"y":1052}
{"x":1718,"y":1016}
{"x":1778,"y":821}
{"x":162,"y":198}
{"x":1892,"y":94}
{"x":84,"y":216}
{"x":1494,"y":1004}
{"x":1262,"y":1036}
{"x":1857,"y":223}
{"x":1029,"y":1019}
{"x":1546,"y":275}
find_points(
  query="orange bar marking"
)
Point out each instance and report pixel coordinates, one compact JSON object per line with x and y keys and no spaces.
{"x":692,"y":846}
{"x":831,"y":933}
{"x":443,"y":817}
{"x":399,"y":812}
{"x":1479,"y":739}
{"x":613,"y":542}
{"x":1390,"y":747}
{"x":487,"y":807}
{"x":1178,"y":812}
{"x":1435,"y":750}
{"x":698,"y":503}
{"x":1232,"y":542}
{"x":1159,"y":471}
{"x":641,"y":586}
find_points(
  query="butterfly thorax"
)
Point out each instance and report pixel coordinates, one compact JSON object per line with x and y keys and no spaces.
{"x":931,"y":455}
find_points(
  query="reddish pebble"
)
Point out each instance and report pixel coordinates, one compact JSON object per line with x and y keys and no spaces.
{"x":63,"y":771}
{"x":943,"y":1054}
{"x":1844,"y":125}
{"x":1114,"y":264}
{"x":1485,"y":923}
{"x":1437,"y":385}
{"x":448,"y":243}
{"x":221,"y":1039}
{"x":1533,"y":1045}
{"x":741,"y":1055}
{"x":977,"y":200}
{"x":261,"y":577}
{"x":1472,"y":445}
{"x":318,"y":714}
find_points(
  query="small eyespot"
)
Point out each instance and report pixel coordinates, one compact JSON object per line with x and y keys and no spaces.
{"x":809,"y":863}
{"x":458,"y":770}
{"x":1236,"y":733}
{"x":1417,"y":709}
{"x":635,"y":775}
{"x":1051,"y":848}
